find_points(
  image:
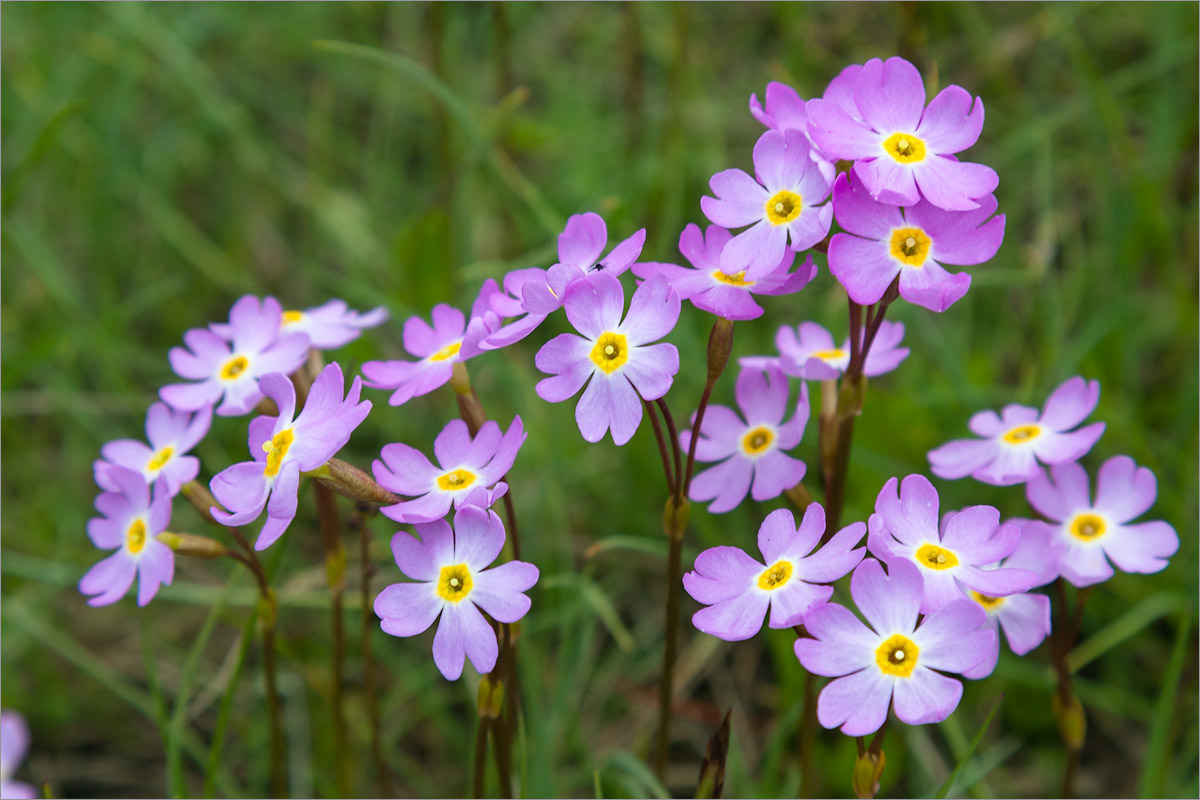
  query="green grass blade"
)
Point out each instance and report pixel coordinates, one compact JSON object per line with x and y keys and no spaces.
{"x":641,"y":777}
{"x":1158,"y":750}
{"x":1123,"y":627}
{"x":218,"y":737}
{"x":945,"y":787}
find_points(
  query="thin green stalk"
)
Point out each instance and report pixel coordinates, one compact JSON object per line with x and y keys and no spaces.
{"x":222,"y":725}
{"x":383,"y":781}
{"x":480,"y":763}
{"x":335,"y":568}
{"x":666,"y":683}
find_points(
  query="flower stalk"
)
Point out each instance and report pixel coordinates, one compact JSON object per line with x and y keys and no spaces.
{"x":335,"y":572}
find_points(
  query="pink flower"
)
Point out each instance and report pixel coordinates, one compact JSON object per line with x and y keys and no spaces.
{"x":171,"y":434}
{"x":14,"y":744}
{"x":1014,"y":444}
{"x":784,"y":111}
{"x":614,"y":354}
{"x":130,"y":524}
{"x":328,"y":326}
{"x":807,"y":351}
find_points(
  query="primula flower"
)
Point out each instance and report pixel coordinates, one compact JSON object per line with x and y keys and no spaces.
{"x":901,"y":149}
{"x":909,"y":242}
{"x":840,"y":92}
{"x":894,"y":659}
{"x":453,"y":580}
{"x":14,"y":744}
{"x":615,"y":354}
{"x":807,"y":351}
{"x":542,"y":291}
{"x":229,"y":371}
{"x":905,"y":527}
{"x":1016,"y":441}
{"x":750,"y":450}
{"x":738,"y":590}
{"x":171,"y":434}
{"x":450,"y":340}
{"x":327,"y":326}
{"x":283,"y":447}
{"x":780,"y":205}
{"x":1095,"y":533}
{"x":131,"y":521}
{"x":711,"y":289}
{"x":783,"y":111}
{"x":467,"y":465}
{"x":1025,"y":617}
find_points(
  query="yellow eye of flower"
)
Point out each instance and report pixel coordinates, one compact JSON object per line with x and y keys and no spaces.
{"x":292,"y":317}
{"x":783,"y":207}
{"x":829,"y":355}
{"x":1087,"y":527}
{"x":276,"y":448}
{"x":1022,"y":434}
{"x":736,"y":279}
{"x":159,"y":459}
{"x":905,"y":148}
{"x":448,"y":351}
{"x":135,"y":537}
{"x":897,"y":656}
{"x":986,"y":600}
{"x":455,"y":583}
{"x":610,"y":352}
{"x":453,"y":481}
{"x":757,"y":440}
{"x":911,"y":246}
{"x":234,"y":367}
{"x":775,"y":576}
{"x":933,"y":557}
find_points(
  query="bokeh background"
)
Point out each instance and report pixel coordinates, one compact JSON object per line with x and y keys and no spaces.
{"x":161,"y":160}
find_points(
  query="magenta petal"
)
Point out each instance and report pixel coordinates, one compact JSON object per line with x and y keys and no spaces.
{"x":1124,"y":491}
{"x":1055,"y":448}
{"x":757,"y":250}
{"x":888,"y":181}
{"x":987,"y":665}
{"x":1070,"y":404}
{"x":594,"y":305}
{"x":862,"y":266}
{"x":624,"y":254}
{"x":1025,"y":619}
{"x":415,"y":559}
{"x":734,"y":619}
{"x":653,"y":312}
{"x":478,"y":537}
{"x":452,"y":443}
{"x":562,"y":353}
{"x":777,"y":531}
{"x":951,"y":122}
{"x":603,"y":403}
{"x":742,"y":200}
{"x":449,"y":643}
{"x":241,"y":487}
{"x":949,"y":638}
{"x":842,"y":644}
{"x":582,"y":240}
{"x":975,"y":532}
{"x":428,"y":508}
{"x":962,"y":457}
{"x":557,"y":388}
{"x":190,"y":396}
{"x":109,"y":580}
{"x":858,"y":703}
{"x":156,"y":567}
{"x":1061,"y":493}
{"x":1142,"y":548}
{"x":889,"y":602}
{"x":407,"y":609}
{"x":498,"y":591}
{"x":774,"y":473}
{"x":790,"y":603}
{"x":837,"y":134}
{"x":651,"y":369}
{"x":404,"y":470}
{"x":859,"y":214}
{"x":926,"y":697}
{"x":912,"y":513}
{"x":837,"y":557}
{"x":890,"y":95}
{"x":725,"y":484}
{"x":1000,"y":582}
{"x":478,"y":637}
{"x":1085,"y":564}
{"x":932,"y":287}
{"x":952,"y":185}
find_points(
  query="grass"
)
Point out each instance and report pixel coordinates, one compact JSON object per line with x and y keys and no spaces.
{"x":159,"y":161}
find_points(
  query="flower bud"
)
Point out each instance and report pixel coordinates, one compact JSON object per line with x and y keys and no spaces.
{"x":867,"y":769}
{"x":352,"y":482}
{"x":491,"y":697}
{"x":1072,"y":722}
{"x":186,"y":544}
{"x":720,"y":345}
{"x":712,"y":769}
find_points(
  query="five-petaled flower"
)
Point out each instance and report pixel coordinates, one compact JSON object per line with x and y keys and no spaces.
{"x":894,"y":659}
{"x":1016,"y":441}
{"x":131,"y":522}
{"x":283,"y":447}
{"x":171,"y":434}
{"x":450,"y":570}
{"x":615,"y":354}
{"x":1095,"y":533}
{"x":792,"y":579}
{"x":807,"y":351}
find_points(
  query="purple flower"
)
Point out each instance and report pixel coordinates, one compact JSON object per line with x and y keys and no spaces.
{"x":328,"y":326}
{"x":784,"y":111}
{"x":1014,"y":443}
{"x":1025,"y":617}
{"x":807,"y":351}
{"x":1093,"y":534}
{"x":230,"y":372}
{"x":171,"y":434}
{"x":130,"y":524}
{"x":791,"y":580}
{"x":615,"y":354}
{"x":284,"y":447}
{"x":780,"y":205}
{"x":450,"y":340}
{"x":894,"y":659}
{"x":905,"y":527}
{"x":909,"y":242}
{"x":453,"y":580}
{"x":14,"y":744}
{"x":467,"y":465}
{"x":750,"y":450}
{"x":542,"y":291}
{"x":711,"y":289}
{"x":901,"y":149}
{"x":840,"y":92}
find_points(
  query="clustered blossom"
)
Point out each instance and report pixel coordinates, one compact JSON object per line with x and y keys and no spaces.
{"x":131,"y":522}
{"x":172,"y":434}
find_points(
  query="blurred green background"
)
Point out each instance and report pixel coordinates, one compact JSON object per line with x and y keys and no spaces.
{"x":161,"y":160}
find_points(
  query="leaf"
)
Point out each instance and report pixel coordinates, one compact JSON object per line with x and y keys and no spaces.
{"x":945,"y":787}
{"x":1159,"y":750}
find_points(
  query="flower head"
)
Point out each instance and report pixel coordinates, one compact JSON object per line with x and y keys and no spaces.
{"x":901,"y":148}
{"x":450,"y":568}
{"x":467,"y":465}
{"x":1096,"y":533}
{"x":807,"y":351}
{"x":951,"y":558}
{"x":542,"y":292}
{"x":783,"y":111}
{"x":895,"y":659}
{"x":14,"y":744}
{"x":751,"y":452}
{"x":738,"y":590}
{"x":451,"y":339}
{"x":781,"y":204}
{"x":327,"y":326}
{"x":283,"y":447}
{"x":713,"y":290}
{"x":1015,"y":442}
{"x":228,"y":371}
{"x":131,"y":523}
{"x":171,"y":434}
{"x":614,"y":353}
{"x":884,"y":241}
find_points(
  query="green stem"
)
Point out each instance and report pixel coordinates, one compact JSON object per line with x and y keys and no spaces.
{"x":477,"y":777}
{"x":666,"y":683}
{"x":335,"y":566}
{"x":662,"y":446}
{"x":383,"y":783}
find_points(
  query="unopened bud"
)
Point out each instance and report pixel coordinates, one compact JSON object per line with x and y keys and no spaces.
{"x":186,"y":544}
{"x":352,"y":482}
{"x":720,"y":345}
{"x":1072,"y":722}
{"x":867,"y":770}
{"x":491,"y":697}
{"x":675,"y":518}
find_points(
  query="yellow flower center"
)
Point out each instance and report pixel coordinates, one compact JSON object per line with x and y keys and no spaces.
{"x":1087,"y":527}
{"x":455,"y":583}
{"x":292,"y":317}
{"x":446,"y":352}
{"x":1022,"y":434}
{"x":905,"y":148}
{"x":234,"y":367}
{"x":736,"y":279}
{"x":453,"y":481}
{"x":830,"y":355}
{"x":911,"y":246}
{"x":934,"y":557}
{"x":986,"y":600}
{"x":610,"y":352}
{"x":775,"y":576}
{"x":276,"y":449}
{"x":135,"y":537}
{"x":783,"y":207}
{"x":159,"y":459}
{"x":897,"y":656}
{"x":757,"y":440}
